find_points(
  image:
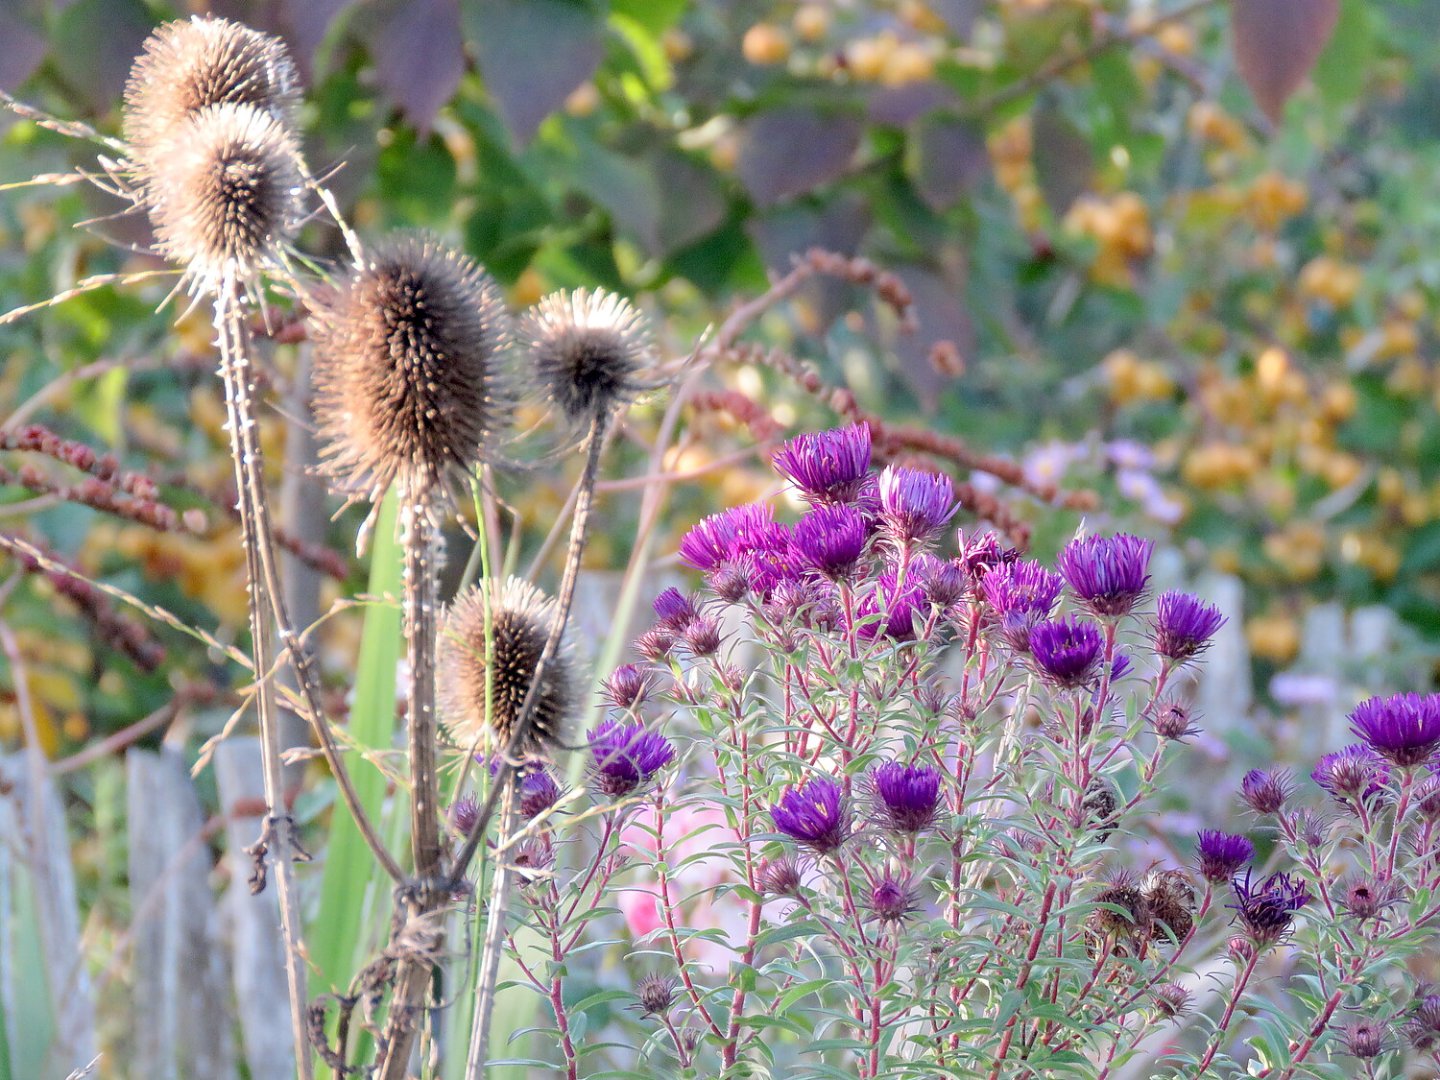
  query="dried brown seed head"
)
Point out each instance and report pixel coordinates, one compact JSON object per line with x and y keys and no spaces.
{"x":408,"y":374}
{"x":519,"y":621}
{"x":229,"y":196}
{"x":590,"y":351}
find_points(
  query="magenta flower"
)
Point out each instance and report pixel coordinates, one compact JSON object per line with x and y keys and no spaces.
{"x":830,"y":540}
{"x":1021,"y":594}
{"x":1266,"y":909}
{"x":1265,"y":792}
{"x":625,"y":756}
{"x":915,"y":504}
{"x":906,"y":797}
{"x":673,"y":609}
{"x":1068,"y":650}
{"x":1108,"y":573}
{"x":720,"y":537}
{"x":1184,"y":625}
{"x":1352,"y":772}
{"x":827,"y":466}
{"x":538,"y":792}
{"x":815,"y":815}
{"x":1403,"y":728}
{"x":899,"y":605}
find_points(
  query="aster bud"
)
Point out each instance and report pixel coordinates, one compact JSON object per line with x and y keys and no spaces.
{"x":780,"y":877}
{"x":628,"y":686}
{"x":654,"y":994}
{"x":1365,"y":1038}
{"x":1172,"y":720}
{"x":1171,"y":1000}
{"x":655,"y":645}
{"x":1264,"y":791}
{"x":702,"y":636}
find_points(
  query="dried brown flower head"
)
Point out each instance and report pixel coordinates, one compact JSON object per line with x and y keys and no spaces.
{"x":590,"y":350}
{"x":1171,"y":896}
{"x":519,"y":622}
{"x":1171,"y":1000}
{"x":408,"y":370}
{"x":229,"y":196}
{"x":1125,"y":918}
{"x":189,"y":65}
{"x":654,"y":994}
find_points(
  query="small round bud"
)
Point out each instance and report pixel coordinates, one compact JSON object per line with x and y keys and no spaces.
{"x":1171,"y":1000}
{"x":1365,"y":1038}
{"x":655,"y":645}
{"x":702,"y":636}
{"x":1265,"y":792}
{"x":628,"y":686}
{"x":1241,"y":949}
{"x":1172,"y":720}
{"x":654,"y":995}
{"x":780,"y":877}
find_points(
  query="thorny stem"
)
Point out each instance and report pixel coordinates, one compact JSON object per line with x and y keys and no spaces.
{"x":277,"y":840}
{"x":521,"y":734}
{"x":494,"y":934}
{"x":421,"y":570}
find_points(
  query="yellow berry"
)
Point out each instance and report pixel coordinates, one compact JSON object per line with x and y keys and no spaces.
{"x":811,"y":22}
{"x":765,"y":44}
{"x":583,"y":100}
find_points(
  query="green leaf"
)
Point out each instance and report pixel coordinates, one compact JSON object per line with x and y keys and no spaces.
{"x":1341,"y":70}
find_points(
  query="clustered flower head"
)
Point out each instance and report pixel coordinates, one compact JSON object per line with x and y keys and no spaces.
{"x":410,"y":382}
{"x":830,"y":539}
{"x":815,"y":815}
{"x":1067,"y":651}
{"x":490,"y":641}
{"x":1109,"y":574}
{"x":914,"y":504}
{"x":625,"y":756}
{"x":1266,"y":909}
{"x":1021,"y":594}
{"x":1403,"y":728}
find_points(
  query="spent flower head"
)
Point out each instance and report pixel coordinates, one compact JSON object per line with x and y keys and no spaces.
{"x":1266,"y":909}
{"x":590,"y":350}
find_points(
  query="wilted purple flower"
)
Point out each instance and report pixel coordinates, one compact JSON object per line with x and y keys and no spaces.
{"x":780,"y":877}
{"x":464,"y":812}
{"x":1067,"y":650}
{"x":891,"y":901}
{"x":1184,"y":625}
{"x":1021,"y":594}
{"x":624,"y":756}
{"x":628,"y":685}
{"x":906,"y":797}
{"x":1265,"y":791}
{"x":1352,"y":772}
{"x":654,"y":994}
{"x":915,"y":504}
{"x":827,"y":466}
{"x":1266,"y":909}
{"x":538,"y":792}
{"x":673,"y":609}
{"x":982,"y":552}
{"x":1403,"y":728}
{"x":1364,"y":898}
{"x":830,"y":539}
{"x":816,"y":815}
{"x":1220,"y":855}
{"x":1108,"y":573}
{"x":898,"y":604}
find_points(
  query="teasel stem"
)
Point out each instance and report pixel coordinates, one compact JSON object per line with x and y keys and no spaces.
{"x":479,"y":1047}
{"x":490,"y":957}
{"x":277,"y":841}
{"x":420,"y":540}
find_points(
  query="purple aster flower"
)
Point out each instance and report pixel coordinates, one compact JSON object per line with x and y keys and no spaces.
{"x":943,"y":581}
{"x":914,"y":504}
{"x":1352,"y":772}
{"x":827,"y":466}
{"x":815,"y":815}
{"x":1108,"y":573}
{"x":830,"y":539}
{"x":892,"y":901}
{"x":906,"y":797}
{"x":673,"y":609}
{"x":628,"y":685}
{"x":1021,"y":594}
{"x":464,"y":812}
{"x":1265,"y":792}
{"x":1220,"y":855}
{"x":1184,"y":625}
{"x":1068,"y":650}
{"x":1403,"y":728}
{"x":898,"y":605}
{"x":625,"y":756}
{"x":982,"y":552}
{"x":538,"y":792}
{"x":720,"y":537}
{"x":1266,"y":909}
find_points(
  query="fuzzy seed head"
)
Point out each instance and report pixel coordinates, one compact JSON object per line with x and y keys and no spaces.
{"x":1171,"y":896}
{"x":590,"y":349}
{"x":229,"y":196}
{"x":409,"y":378}
{"x":190,"y":65}
{"x":520,"y":617}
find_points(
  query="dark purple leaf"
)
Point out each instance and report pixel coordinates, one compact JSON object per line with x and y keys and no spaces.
{"x":898,"y":105}
{"x":793,"y":149}
{"x":22,"y":51}
{"x":532,"y":54}
{"x":419,"y":60}
{"x":692,"y":203}
{"x":306,"y":22}
{"x":793,"y":230}
{"x":1063,"y":161}
{"x":1277,"y":43}
{"x":959,"y":15}
{"x":941,"y":315}
{"x":947,"y":160}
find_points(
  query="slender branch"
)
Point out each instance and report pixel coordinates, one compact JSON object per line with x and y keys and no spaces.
{"x":476,"y":1053}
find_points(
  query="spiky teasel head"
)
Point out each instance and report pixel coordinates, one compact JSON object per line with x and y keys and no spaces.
{"x":591,"y":350}
{"x":189,"y":65}
{"x":409,"y":370}
{"x":519,"y":623}
{"x":228,"y":199}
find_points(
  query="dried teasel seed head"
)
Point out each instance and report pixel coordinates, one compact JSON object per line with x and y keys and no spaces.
{"x":189,"y":65}
{"x":519,"y":623}
{"x":409,"y":370}
{"x":229,"y":196}
{"x":590,"y":350}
